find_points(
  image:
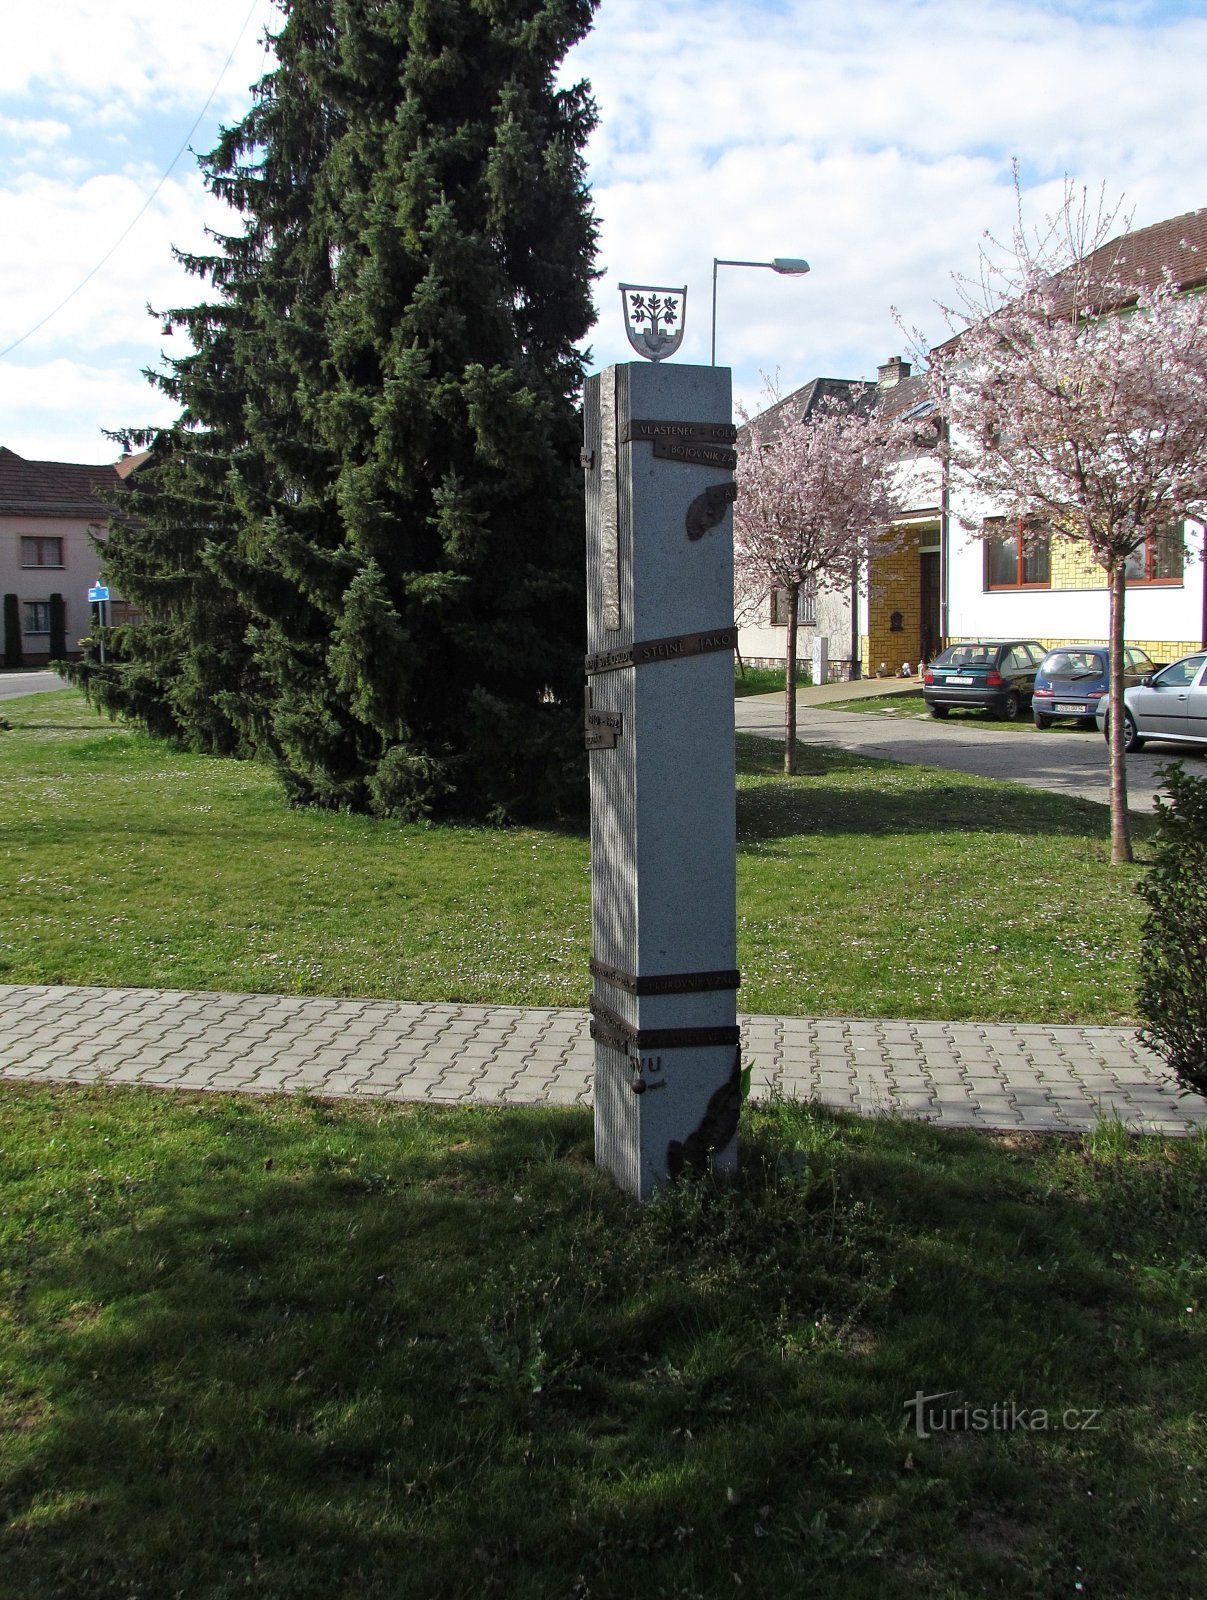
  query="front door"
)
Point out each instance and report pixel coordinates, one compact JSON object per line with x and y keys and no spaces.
{"x":929,"y":641}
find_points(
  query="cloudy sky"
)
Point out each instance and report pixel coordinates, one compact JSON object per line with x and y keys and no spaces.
{"x":873,"y":137}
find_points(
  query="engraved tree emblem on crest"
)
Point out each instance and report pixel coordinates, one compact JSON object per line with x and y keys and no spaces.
{"x":653,"y":319}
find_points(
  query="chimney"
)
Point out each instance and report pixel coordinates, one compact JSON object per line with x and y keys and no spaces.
{"x":891,"y":373}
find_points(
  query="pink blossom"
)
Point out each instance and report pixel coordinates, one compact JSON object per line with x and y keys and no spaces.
{"x":814,"y":496}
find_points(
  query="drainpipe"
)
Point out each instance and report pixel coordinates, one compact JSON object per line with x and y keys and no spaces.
{"x":944,"y":527}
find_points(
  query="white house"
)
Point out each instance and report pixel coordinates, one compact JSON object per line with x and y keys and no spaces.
{"x":895,"y":617}
{"x":962,"y":571}
{"x":827,"y":618}
{"x":993,"y":585}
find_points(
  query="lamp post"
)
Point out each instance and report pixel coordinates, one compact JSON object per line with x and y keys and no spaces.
{"x":786,"y":266}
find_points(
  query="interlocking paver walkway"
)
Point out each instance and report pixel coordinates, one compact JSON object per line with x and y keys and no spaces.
{"x":995,"y":1075}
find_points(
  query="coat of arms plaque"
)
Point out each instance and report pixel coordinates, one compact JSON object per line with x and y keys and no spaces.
{"x":653,"y":319}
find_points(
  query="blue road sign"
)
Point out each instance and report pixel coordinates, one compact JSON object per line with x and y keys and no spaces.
{"x":100,"y":592}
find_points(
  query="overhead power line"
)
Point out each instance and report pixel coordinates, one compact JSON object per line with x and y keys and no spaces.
{"x":130,"y":226}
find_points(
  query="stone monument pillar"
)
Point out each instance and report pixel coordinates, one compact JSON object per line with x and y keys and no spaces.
{"x":659,"y":459}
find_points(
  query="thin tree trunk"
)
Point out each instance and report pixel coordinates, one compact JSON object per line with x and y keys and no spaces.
{"x":856,"y":663}
{"x":1121,"y":833}
{"x":790,"y":684}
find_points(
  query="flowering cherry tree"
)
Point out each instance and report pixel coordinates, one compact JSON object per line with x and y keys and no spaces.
{"x":1075,"y":398}
{"x":813,"y":497}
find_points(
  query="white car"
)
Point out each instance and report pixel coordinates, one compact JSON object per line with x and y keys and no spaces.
{"x":1171,"y":706}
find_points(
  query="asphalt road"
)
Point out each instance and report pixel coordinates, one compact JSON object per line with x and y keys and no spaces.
{"x":1064,"y":760}
{"x":13,"y":684}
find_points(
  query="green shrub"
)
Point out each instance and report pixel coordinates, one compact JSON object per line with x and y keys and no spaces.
{"x":1173,"y":950}
{"x":14,"y":655}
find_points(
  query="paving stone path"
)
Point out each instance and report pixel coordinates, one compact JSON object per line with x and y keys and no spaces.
{"x":955,"y":1074}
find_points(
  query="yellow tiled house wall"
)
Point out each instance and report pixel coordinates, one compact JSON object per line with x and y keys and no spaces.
{"x":1073,"y":567}
{"x":1158,"y":649}
{"x":895,"y":585}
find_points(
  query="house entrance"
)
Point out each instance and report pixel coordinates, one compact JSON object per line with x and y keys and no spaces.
{"x":930,"y":638}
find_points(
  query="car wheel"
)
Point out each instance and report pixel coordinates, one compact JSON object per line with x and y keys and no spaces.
{"x":1011,"y":706}
{"x":1041,"y":721}
{"x":938,"y":711}
{"x":1131,"y":739}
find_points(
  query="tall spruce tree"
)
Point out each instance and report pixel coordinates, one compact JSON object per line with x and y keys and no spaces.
{"x":189,"y":669}
{"x":360,"y":547}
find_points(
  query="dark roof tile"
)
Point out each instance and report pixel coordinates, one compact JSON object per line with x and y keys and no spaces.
{"x":53,"y":488}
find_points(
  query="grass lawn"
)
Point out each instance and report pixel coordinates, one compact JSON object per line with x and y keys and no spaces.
{"x":300,"y":1349}
{"x":864,"y":888}
{"x":766,"y":680}
{"x":912,"y":705}
{"x":902,"y":704}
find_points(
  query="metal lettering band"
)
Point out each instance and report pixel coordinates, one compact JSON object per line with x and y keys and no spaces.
{"x":609,"y":502}
{"x":609,"y":1029}
{"x":695,"y":453}
{"x":667,"y":982}
{"x":642,"y":429}
{"x":675,"y":648}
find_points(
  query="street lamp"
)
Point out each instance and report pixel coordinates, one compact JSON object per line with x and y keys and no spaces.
{"x":787,"y":266}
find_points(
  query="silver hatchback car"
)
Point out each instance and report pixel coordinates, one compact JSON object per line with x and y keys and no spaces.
{"x":1171,"y":706}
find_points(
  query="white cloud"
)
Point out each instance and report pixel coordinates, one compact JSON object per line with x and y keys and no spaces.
{"x":65,"y":229}
{"x":28,"y":130}
{"x":873,"y":137}
{"x":55,"y":410}
{"x":88,"y":56}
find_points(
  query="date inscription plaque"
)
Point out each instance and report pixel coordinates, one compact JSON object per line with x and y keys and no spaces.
{"x":603,"y":729}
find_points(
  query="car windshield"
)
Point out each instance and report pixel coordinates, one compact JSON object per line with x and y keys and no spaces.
{"x":967,"y":655}
{"x":1074,"y":664}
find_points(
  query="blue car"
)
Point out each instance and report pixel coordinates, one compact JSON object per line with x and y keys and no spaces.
{"x":1074,"y":678}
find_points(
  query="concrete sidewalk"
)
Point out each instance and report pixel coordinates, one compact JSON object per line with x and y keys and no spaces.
{"x":829,"y":694}
{"x":955,"y":1074}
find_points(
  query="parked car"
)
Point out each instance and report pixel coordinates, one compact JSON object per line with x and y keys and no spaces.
{"x":1073,"y":678}
{"x":1171,"y":706}
{"x":994,"y":674}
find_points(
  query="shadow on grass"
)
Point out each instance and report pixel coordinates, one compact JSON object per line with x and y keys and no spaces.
{"x":867,"y":796}
{"x":87,"y":731}
{"x":312,"y":1349}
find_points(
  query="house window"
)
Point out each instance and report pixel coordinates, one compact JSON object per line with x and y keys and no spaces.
{"x":1159,"y":559}
{"x":1017,"y":554}
{"x":37,"y":616}
{"x":38,"y":552}
{"x":806,"y":606}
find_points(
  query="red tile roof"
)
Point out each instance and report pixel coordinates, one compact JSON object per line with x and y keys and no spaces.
{"x":1177,"y":246}
{"x":53,"y":488}
{"x":1133,"y":261}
